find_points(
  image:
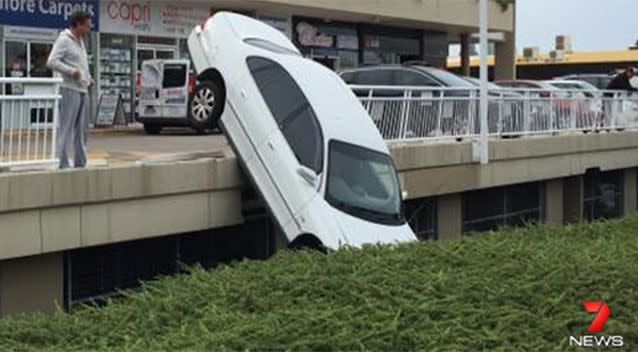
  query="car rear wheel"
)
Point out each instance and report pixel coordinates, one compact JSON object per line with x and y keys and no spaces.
{"x":205,"y":106}
{"x":152,"y":129}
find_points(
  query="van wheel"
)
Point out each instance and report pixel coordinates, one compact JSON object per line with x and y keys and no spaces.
{"x":205,"y":106}
{"x":152,"y":129}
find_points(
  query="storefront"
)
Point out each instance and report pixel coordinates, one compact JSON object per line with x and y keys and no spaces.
{"x":340,"y":45}
{"x":28,"y":30}
{"x":133,"y":31}
{"x":334,"y":44}
{"x":385,"y":45}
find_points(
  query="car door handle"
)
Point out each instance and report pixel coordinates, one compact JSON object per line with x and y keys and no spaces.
{"x":272,"y":146}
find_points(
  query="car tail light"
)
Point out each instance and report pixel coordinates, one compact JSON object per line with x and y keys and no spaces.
{"x":192,"y":83}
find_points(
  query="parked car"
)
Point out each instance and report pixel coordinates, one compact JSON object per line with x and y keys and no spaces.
{"x":586,"y":102}
{"x":165,"y":91}
{"x":600,"y":81}
{"x":403,"y":75}
{"x":429,"y":116}
{"x":305,"y":141}
{"x":583,"y":88}
{"x":544,"y":106}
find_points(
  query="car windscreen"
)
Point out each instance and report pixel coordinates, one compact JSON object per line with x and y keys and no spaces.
{"x":449,"y":79}
{"x":363,"y":183}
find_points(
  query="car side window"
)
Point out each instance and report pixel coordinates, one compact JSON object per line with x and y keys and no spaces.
{"x":348,"y":77}
{"x":292,"y":111}
{"x":381,"y":77}
{"x":412,"y":78}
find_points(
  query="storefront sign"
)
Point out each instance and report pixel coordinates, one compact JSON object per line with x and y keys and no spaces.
{"x":31,"y":33}
{"x":308,"y":35}
{"x":146,"y":17}
{"x":109,"y":107}
{"x":46,"y":13}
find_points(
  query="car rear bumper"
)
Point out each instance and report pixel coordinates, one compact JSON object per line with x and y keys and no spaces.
{"x":164,"y":121}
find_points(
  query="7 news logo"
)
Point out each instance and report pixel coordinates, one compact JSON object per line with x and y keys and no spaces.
{"x":602,"y":312}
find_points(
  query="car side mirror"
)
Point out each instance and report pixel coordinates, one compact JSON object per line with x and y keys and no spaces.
{"x":308,"y":175}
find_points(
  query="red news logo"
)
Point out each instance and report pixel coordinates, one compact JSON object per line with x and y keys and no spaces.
{"x":602,"y":312}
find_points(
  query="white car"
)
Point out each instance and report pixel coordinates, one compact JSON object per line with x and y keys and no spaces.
{"x":304,"y":139}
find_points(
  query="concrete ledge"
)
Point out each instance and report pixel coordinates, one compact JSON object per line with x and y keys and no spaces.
{"x":428,"y":170}
{"x":428,"y":155}
{"x":58,"y":229}
{"x":35,"y":190}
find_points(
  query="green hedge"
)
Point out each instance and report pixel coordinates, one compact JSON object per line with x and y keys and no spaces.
{"x":519,"y":289}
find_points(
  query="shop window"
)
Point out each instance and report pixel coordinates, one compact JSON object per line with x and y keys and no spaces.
{"x":422,"y":217}
{"x":603,"y":195}
{"x":291,"y":111}
{"x":489,"y":209}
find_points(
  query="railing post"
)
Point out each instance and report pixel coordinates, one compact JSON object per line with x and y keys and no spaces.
{"x":404,"y":115}
{"x":439,"y":118}
{"x":56,"y":121}
{"x":483,"y":141}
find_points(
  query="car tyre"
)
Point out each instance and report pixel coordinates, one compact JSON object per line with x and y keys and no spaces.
{"x":152,"y":129}
{"x":205,"y":106}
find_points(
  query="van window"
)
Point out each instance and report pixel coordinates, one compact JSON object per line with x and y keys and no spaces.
{"x":174,"y":76}
{"x":291,"y":110}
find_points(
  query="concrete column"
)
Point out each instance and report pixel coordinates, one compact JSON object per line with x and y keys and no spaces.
{"x":505,"y":58}
{"x":573,"y":195}
{"x":465,"y":54}
{"x":630,"y":191}
{"x":554,"y":202}
{"x":32,"y":284}
{"x":450,"y":216}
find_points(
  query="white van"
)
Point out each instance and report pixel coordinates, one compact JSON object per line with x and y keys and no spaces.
{"x":165,"y":95}
{"x":312,"y":151}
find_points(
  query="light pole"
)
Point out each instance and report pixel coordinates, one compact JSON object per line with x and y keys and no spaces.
{"x":483,"y":95}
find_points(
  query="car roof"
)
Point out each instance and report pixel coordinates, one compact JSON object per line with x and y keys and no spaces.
{"x":247,"y":28}
{"x":338,"y":110}
{"x":540,"y":84}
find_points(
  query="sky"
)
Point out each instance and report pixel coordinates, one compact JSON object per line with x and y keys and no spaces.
{"x":592,"y":24}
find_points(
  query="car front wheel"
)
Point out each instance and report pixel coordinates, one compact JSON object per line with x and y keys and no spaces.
{"x":205,"y":106}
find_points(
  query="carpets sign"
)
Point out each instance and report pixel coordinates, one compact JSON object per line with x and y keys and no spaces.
{"x":46,"y":13}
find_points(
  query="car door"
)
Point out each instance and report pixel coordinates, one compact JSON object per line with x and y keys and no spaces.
{"x":293,"y":153}
{"x":174,"y":92}
{"x":150,"y":87}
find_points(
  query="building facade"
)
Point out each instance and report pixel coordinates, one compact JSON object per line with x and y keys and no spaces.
{"x":339,"y":34}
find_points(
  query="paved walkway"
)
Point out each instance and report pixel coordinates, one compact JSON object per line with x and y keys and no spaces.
{"x":129,"y":144}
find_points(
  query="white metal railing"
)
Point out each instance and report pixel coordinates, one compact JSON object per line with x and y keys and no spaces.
{"x":429,"y":113}
{"x":28,"y":122}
